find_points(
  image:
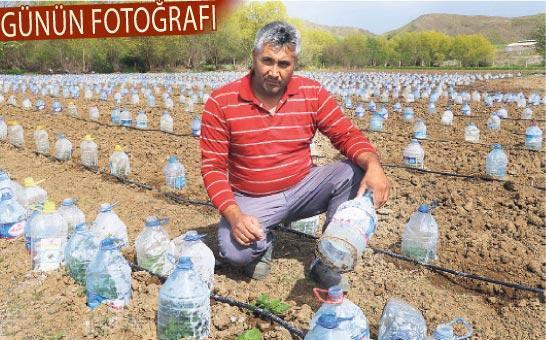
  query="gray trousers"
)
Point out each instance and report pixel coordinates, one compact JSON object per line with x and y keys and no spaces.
{"x":322,"y":190}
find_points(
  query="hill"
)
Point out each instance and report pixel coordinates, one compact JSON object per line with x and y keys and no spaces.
{"x":499,"y":30}
{"x":339,"y":31}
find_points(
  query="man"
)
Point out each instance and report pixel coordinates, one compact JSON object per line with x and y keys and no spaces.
{"x":256,"y":162}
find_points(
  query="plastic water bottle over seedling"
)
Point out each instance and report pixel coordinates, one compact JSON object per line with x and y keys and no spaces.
{"x":355,"y":322}
{"x":6,"y":182}
{"x":108,"y":277}
{"x":40,"y":104}
{"x":94,"y":113}
{"x":108,"y":224}
{"x":376,"y":122}
{"x":533,"y":137}
{"x":348,"y":103}
{"x":527,"y":113}
{"x":72,"y":110}
{"x":414,"y":155}
{"x":196,"y":126}
{"x":26,"y":104}
{"x":141,"y":120}
{"x":175,"y":174}
{"x":154,"y":249}
{"x":3,"y":129}
{"x":328,"y":327}
{"x":446,"y":331}
{"x":48,"y":234}
{"x":447,"y":117}
{"x":191,"y":245}
{"x":347,"y":234}
{"x":466,"y":109}
{"x":89,"y":153}
{"x":31,"y":194}
{"x":420,"y":129}
{"x":150,"y":101}
{"x":63,"y":148}
{"x":360,"y":111}
{"x":13,"y":215}
{"x":166,"y":122}
{"x":401,"y":321}
{"x":115,"y":116}
{"x":135,"y":99}
{"x":119,"y":162}
{"x":494,"y":122}
{"x":56,"y":107}
{"x":82,"y":247}
{"x":431,"y":109}
{"x":309,"y":225}
{"x":397,"y":107}
{"x":371,"y":106}
{"x":184,"y":304}
{"x":420,"y":236}
{"x":408,"y":115}
{"x":16,"y":134}
{"x":502,"y":113}
{"x":126,"y":118}
{"x":496,"y":162}
{"x":472,"y":133}
{"x":41,"y":140}
{"x":71,"y":214}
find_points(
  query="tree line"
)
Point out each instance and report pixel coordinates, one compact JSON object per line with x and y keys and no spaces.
{"x":231,"y":45}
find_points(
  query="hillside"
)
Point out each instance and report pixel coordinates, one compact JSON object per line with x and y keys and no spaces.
{"x":499,"y":30}
{"x":340,"y":31}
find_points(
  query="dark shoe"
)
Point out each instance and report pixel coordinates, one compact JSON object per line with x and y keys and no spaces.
{"x":260,"y":267}
{"x":326,"y":277}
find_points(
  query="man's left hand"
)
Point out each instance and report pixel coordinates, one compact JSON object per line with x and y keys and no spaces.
{"x":374,"y":179}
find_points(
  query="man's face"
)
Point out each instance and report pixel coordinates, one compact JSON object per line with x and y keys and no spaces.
{"x":273,"y":68}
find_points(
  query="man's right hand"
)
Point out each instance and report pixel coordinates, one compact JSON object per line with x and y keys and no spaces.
{"x":245,"y":229}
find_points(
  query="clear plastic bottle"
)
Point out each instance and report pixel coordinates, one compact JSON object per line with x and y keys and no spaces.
{"x":447,"y":117}
{"x":6,"y":182}
{"x":472,"y":133}
{"x":126,"y":118}
{"x":494,"y":122}
{"x":360,"y":111}
{"x":431,"y":109}
{"x":31,"y":194}
{"x":496,"y":162}
{"x":41,"y":140}
{"x":119,"y":162}
{"x":154,"y":248}
{"x":309,"y":225}
{"x":3,"y":129}
{"x":420,"y":129}
{"x":446,"y":332}
{"x":89,"y":153}
{"x":166,"y":122}
{"x":466,"y":110}
{"x":63,"y":148}
{"x":150,"y":101}
{"x":56,"y":107}
{"x":414,"y":155}
{"x":135,"y":99}
{"x":347,"y":234}
{"x":408,"y":115}
{"x":401,"y":321}
{"x":16,"y":134}
{"x":141,"y":120}
{"x":48,"y":233}
{"x":357,"y":323}
{"x":26,"y":104}
{"x":115,"y":116}
{"x":527,"y":113}
{"x":94,"y":114}
{"x":184,"y":304}
{"x":175,"y":174}
{"x":191,"y":245}
{"x":108,"y":277}
{"x":71,"y":214}
{"x":533,"y":137}
{"x":327,"y":327}
{"x":13,"y":216}
{"x":376,"y":122}
{"x":188,"y":105}
{"x":108,"y":224}
{"x":72,"y":110}
{"x":420,"y":236}
{"x":82,"y":247}
{"x":196,"y":126}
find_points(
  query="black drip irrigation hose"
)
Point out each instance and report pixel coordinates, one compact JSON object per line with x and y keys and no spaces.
{"x":260,"y":312}
{"x":432,"y":267}
{"x":507,"y":118}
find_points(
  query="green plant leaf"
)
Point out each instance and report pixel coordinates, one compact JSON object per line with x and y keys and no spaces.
{"x":251,"y":334}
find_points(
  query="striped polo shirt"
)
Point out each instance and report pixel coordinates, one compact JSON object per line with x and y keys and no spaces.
{"x":248,"y":149}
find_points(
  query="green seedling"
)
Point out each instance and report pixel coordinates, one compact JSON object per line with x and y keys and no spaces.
{"x":275,"y":306}
{"x":251,"y":334}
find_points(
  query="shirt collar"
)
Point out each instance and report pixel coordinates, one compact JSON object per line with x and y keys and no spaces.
{"x":245,"y":89}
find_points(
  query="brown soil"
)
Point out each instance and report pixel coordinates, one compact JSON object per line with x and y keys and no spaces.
{"x":489,"y":228}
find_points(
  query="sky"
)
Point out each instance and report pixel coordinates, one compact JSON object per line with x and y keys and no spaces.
{"x":382,"y":16}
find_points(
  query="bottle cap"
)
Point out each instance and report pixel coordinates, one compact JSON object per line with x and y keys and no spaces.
{"x":172,"y":159}
{"x":13,"y":122}
{"x":29,"y":182}
{"x":184,"y":263}
{"x":49,"y":207}
{"x":153,"y":221}
{"x":105,"y":207}
{"x":424,"y":208}
{"x":67,"y":202}
{"x":118,"y":148}
{"x":39,"y":127}
{"x":88,"y":138}
{"x":192,"y":235}
{"x":328,"y":320}
{"x":108,"y":243}
{"x":497,"y":146}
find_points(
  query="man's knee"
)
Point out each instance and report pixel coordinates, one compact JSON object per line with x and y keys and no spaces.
{"x":232,"y":252}
{"x":350,"y":171}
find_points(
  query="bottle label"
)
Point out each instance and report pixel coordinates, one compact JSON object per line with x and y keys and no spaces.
{"x":411,"y":161}
{"x":420,"y":134}
{"x":12,"y":230}
{"x":141,"y":125}
{"x":47,"y":253}
{"x":180,"y":182}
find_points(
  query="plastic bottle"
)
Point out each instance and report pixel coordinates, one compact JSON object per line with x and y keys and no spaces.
{"x":445,"y":331}
{"x":141,"y":120}
{"x":309,"y":225}
{"x":126,"y":118}
{"x":72,"y":110}
{"x":89,"y":153}
{"x":40,"y":104}
{"x":71,"y":214}
{"x":496,"y":162}
{"x":184,"y":304}
{"x":48,"y":233}
{"x":494,"y":122}
{"x":119,"y":162}
{"x":63,"y":148}
{"x":166,"y":122}
{"x":401,"y":321}
{"x":115,"y":116}
{"x":150,"y":101}
{"x":188,"y":105}
{"x":348,"y":103}
{"x":175,"y":174}
{"x":16,"y":134}
{"x":154,"y":248}
{"x":3,"y":129}
{"x":31,"y":193}
{"x":191,"y":245}
{"x":420,"y":129}
{"x":327,"y":327}
{"x":13,"y":215}
{"x":414,"y":155}
{"x":431,"y":108}
{"x":447,"y":117}
{"x":107,"y":223}
{"x":82,"y":247}
{"x":420,"y":236}
{"x":108,"y":277}
{"x":376,"y":122}
{"x":94,"y":114}
{"x":347,"y":234}
{"x":472,"y":133}
{"x":56,"y":107}
{"x":360,"y":111}
{"x":408,"y":115}
{"x":533,"y":137}
{"x":466,"y":109}
{"x":372,"y":106}
{"x":41,"y":140}
{"x":356,"y":323}
{"x":6,"y":182}
{"x":527,"y":113}
{"x":196,"y":126}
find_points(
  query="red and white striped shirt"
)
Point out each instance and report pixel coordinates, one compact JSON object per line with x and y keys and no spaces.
{"x":246,"y":148}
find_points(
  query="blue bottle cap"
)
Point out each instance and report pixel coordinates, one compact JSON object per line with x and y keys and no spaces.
{"x":192,"y":235}
{"x":80,"y":227}
{"x":423,"y":208}
{"x":105,"y":207}
{"x":335,"y":292}
{"x":109,"y":243}
{"x":497,"y":146}
{"x":67,"y":202}
{"x":184,"y":263}
{"x":328,"y":320}
{"x":172,"y":159}
{"x":152,"y":221}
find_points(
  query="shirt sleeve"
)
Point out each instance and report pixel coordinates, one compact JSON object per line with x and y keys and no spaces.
{"x":331,"y":121}
{"x":214,"y":142}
